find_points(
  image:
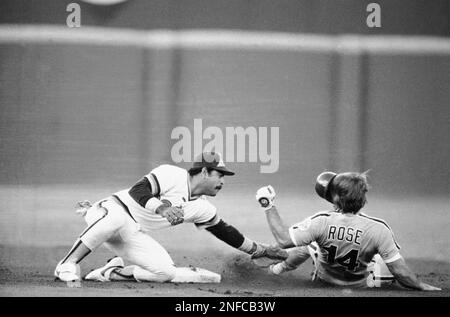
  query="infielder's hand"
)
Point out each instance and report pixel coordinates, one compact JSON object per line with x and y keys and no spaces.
{"x":273,"y":252}
{"x":173,"y":214}
{"x":266,"y":196}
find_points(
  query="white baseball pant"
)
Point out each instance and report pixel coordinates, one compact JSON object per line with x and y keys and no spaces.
{"x":109,"y":223}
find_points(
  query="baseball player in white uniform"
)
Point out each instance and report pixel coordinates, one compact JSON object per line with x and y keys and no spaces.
{"x":165,"y":197}
{"x":348,"y":248}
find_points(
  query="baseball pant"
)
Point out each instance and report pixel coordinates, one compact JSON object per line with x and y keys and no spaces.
{"x":110,"y":224}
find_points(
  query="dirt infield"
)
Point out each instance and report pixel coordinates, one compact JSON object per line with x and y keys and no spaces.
{"x":27,"y":271}
{"x":38,"y":226}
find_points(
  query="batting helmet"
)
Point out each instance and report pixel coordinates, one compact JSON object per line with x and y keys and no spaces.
{"x":323,"y":185}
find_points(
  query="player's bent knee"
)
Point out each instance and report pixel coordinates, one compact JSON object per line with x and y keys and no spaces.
{"x":168,"y":273}
{"x":161,"y":275}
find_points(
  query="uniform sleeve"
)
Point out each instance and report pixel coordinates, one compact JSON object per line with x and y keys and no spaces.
{"x":305,"y":232}
{"x":165,"y":177}
{"x":387,"y":246}
{"x":200,"y":212}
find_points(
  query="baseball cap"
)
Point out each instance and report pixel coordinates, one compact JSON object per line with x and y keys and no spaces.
{"x":211,"y":160}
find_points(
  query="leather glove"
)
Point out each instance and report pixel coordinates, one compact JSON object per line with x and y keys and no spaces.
{"x":173,"y":214}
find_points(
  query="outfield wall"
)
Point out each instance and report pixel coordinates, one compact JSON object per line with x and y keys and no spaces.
{"x":98,"y":105}
{"x":403,"y":17}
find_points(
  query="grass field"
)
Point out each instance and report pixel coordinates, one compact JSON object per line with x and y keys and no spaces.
{"x":38,"y":226}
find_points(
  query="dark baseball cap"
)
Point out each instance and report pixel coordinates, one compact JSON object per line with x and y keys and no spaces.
{"x":211,"y":160}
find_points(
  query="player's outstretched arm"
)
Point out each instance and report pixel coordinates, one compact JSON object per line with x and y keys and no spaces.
{"x":266,"y":196}
{"x":230,"y":235}
{"x":279,"y":230}
{"x":406,"y":277}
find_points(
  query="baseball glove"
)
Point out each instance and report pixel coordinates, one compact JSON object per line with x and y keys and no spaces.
{"x":174,"y":215}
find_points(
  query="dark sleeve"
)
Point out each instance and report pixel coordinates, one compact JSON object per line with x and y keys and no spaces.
{"x":227,"y":234}
{"x":141,"y":192}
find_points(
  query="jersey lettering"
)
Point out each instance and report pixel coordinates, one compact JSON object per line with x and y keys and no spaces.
{"x":348,"y":260}
{"x":342,"y":233}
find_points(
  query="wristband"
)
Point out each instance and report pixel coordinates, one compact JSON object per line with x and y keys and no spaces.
{"x":248,"y":246}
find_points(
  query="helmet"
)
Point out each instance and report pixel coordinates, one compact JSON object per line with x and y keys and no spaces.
{"x":323,"y":183}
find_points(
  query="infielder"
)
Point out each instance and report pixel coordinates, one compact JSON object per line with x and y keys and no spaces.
{"x":348,"y":248}
{"x":165,"y":197}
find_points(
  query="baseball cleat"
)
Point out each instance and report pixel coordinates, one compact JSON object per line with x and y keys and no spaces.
{"x":68,"y":272}
{"x":102,"y":274}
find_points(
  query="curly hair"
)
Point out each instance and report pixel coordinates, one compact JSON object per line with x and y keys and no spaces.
{"x":349,"y":191}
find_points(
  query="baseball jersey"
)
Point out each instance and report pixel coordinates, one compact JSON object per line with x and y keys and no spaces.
{"x":174,"y":188}
{"x":347,"y":244}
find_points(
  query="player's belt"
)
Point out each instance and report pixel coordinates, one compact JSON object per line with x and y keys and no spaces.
{"x":125,"y":207}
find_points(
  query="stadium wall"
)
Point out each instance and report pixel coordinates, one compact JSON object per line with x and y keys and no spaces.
{"x":98,"y":106}
{"x":403,"y":17}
